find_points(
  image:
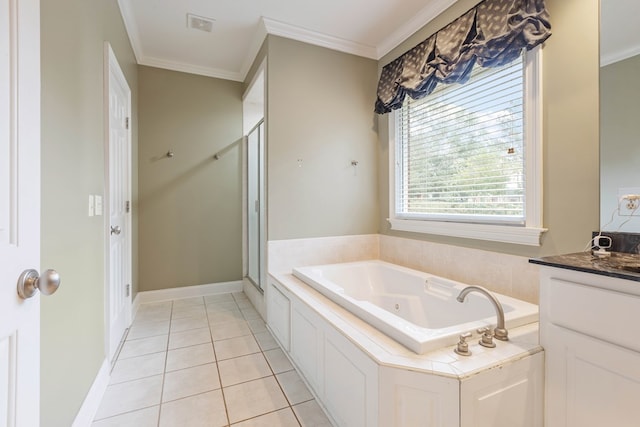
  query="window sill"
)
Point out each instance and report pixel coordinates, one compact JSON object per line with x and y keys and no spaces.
{"x":529,"y":236}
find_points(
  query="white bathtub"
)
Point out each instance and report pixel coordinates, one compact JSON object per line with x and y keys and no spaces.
{"x":419,"y":310}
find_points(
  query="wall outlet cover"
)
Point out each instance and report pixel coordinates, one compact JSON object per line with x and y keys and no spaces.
{"x":628,"y":207}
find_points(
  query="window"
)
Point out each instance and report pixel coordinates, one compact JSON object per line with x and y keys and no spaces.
{"x":467,"y":157}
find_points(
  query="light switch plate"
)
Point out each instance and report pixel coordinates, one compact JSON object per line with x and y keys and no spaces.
{"x":98,"y":205}
{"x":91,"y":208}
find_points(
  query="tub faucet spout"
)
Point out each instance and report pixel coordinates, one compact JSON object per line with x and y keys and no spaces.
{"x":499,"y":332}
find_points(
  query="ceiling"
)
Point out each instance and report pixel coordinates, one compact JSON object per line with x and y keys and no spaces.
{"x":371,"y":28}
{"x":619,"y":35}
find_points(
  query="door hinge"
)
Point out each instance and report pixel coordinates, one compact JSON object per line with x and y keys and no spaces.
{"x":128,"y":290}
{"x":127,"y":206}
{"x":126,"y":123}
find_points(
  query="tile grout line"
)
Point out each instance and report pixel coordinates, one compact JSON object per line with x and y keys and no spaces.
{"x":215,"y":356}
{"x":252,"y":334}
{"x":280,"y":385}
{"x":166,"y":356}
{"x":117,"y":359}
{"x":211,"y":327}
{"x":275,"y":377}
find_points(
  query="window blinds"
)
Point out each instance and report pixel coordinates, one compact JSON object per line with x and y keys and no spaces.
{"x":460,"y":150}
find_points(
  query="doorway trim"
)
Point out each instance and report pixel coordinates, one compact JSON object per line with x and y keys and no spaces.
{"x":255,"y":95}
{"x":112,"y":69}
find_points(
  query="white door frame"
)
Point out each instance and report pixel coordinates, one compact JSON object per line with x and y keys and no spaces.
{"x":256,"y":95}
{"x":112,"y":69}
{"x":259,"y":188}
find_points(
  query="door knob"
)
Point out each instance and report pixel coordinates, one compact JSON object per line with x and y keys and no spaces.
{"x":116,"y":230}
{"x":30,"y":281}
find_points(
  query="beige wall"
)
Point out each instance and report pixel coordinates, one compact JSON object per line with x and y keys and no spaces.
{"x":570,"y":134}
{"x":619,"y":130}
{"x":320,"y":110}
{"x":73,"y":33}
{"x":190,"y":205}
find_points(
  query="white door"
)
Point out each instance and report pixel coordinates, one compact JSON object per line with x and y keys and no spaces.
{"x":118,"y":203}
{"x":19,"y":210}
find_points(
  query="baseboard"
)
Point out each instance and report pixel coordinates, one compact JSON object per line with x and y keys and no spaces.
{"x":91,"y":403}
{"x":160,"y":295}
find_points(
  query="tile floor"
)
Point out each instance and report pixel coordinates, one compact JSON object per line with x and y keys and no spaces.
{"x":204,"y":362}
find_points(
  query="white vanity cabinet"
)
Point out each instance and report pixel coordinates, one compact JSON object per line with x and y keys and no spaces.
{"x":590,"y":330}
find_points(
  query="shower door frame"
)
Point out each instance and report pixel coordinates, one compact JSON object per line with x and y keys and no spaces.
{"x":256,"y":248}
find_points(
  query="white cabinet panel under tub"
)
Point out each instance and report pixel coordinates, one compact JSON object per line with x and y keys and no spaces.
{"x":506,"y":396}
{"x":410,"y":397}
{"x":350,"y":383}
{"x":362,"y":384}
{"x":279,"y":315}
{"x":307,"y":342}
{"x":344,"y":379}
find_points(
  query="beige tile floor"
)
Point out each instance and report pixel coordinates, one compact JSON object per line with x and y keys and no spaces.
{"x":204,"y":362}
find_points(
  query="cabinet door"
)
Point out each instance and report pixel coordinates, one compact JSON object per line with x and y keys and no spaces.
{"x":589,"y":382}
{"x":279,"y":314}
{"x":508,"y":396}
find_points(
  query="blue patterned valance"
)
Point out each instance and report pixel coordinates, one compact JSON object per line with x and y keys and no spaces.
{"x":491,"y":34}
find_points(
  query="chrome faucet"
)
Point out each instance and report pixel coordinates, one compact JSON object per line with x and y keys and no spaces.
{"x":499,"y":332}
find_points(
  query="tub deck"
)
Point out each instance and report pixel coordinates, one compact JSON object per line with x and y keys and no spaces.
{"x":416,"y":309}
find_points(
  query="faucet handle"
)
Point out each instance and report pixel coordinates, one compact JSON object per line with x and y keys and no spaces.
{"x":463,"y":346}
{"x":486,"y":340}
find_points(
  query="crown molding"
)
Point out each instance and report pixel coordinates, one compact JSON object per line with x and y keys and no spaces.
{"x":254,"y":49}
{"x":131,"y":27}
{"x":191,"y":69}
{"x":420,"y":19}
{"x":281,"y":29}
{"x":269,"y":26}
{"x":619,"y":55}
{"x":136,"y":46}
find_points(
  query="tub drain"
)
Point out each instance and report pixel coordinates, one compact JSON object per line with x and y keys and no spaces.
{"x":397,"y":307}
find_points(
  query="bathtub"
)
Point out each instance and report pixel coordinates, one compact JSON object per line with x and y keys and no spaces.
{"x":418,"y":310}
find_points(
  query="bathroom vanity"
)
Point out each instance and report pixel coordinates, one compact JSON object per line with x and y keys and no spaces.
{"x":589,"y":328}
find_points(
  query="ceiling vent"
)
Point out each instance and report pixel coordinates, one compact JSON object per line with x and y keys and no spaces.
{"x":199,"y":23}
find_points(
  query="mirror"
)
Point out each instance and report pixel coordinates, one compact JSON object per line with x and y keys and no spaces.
{"x":619,"y":114}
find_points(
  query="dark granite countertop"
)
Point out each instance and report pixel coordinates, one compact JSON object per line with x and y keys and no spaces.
{"x":620,"y":265}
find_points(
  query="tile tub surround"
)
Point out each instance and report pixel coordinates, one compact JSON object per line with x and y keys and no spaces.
{"x":506,"y":274}
{"x":284,"y":255}
{"x":205,"y":361}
